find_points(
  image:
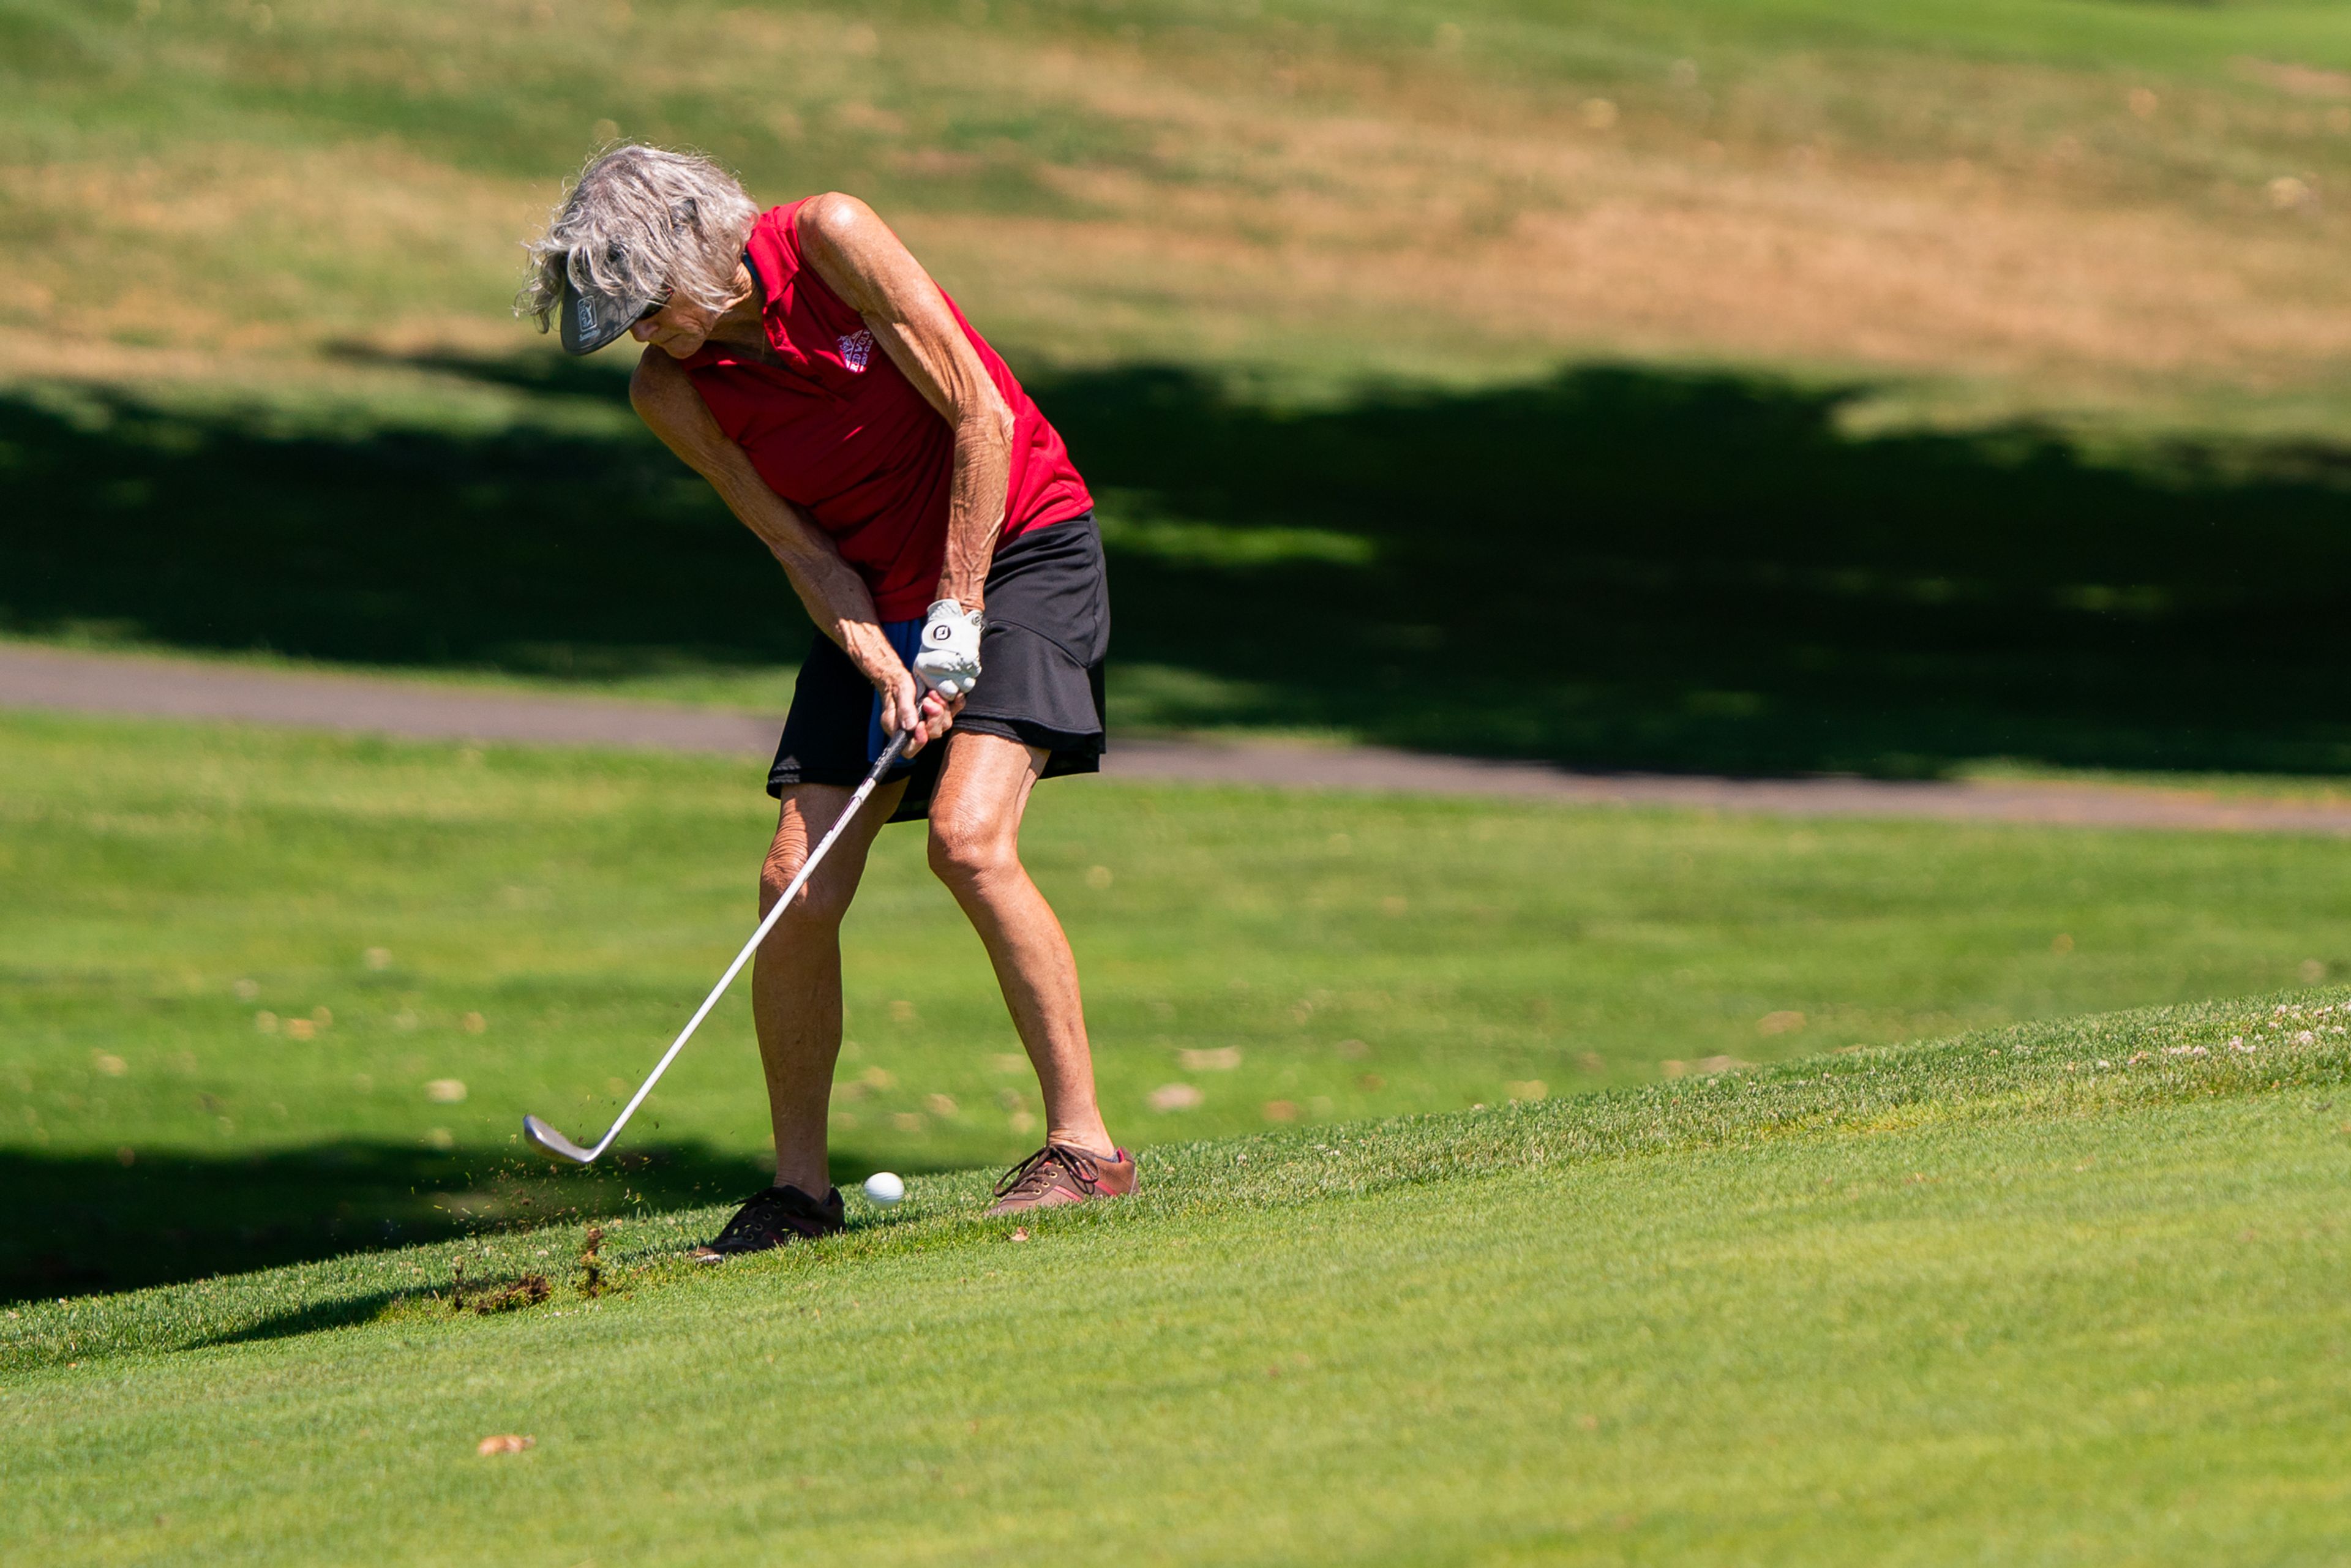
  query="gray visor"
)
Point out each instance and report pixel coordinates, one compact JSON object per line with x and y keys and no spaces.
{"x":593,"y":320}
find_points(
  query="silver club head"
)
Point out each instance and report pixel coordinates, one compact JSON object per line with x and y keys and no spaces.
{"x":553,"y":1142}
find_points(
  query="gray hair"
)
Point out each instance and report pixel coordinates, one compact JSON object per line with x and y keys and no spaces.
{"x":638,"y":222}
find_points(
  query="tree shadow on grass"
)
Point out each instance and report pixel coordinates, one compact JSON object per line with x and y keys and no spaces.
{"x":1612,"y":568}
{"x":83,"y":1224}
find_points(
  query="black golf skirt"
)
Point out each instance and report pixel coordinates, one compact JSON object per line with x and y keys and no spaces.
{"x":1040,"y":675}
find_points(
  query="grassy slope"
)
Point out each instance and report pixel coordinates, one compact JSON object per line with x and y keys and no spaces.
{"x":1275,"y":187}
{"x":2036,"y":207}
{"x":2068,"y":1293}
{"x":162,"y":887}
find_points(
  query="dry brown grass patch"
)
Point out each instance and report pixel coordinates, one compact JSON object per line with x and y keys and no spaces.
{"x":1397,"y":212}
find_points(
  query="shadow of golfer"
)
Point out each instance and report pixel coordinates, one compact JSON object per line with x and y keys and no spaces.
{"x":87,"y":1223}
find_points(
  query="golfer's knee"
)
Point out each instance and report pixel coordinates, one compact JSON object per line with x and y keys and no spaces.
{"x":823,"y":902}
{"x":967,"y":850}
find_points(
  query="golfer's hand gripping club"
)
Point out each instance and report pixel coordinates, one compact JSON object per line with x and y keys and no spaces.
{"x":949,"y":661}
{"x":555,"y":1143}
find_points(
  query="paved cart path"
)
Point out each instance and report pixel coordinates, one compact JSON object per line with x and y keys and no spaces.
{"x":187,"y":689}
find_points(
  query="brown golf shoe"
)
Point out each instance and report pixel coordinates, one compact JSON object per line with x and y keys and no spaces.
{"x":774,"y":1217}
{"x":1057,"y":1174}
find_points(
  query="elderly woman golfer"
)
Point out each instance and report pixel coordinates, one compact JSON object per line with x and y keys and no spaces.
{"x":928,"y":516}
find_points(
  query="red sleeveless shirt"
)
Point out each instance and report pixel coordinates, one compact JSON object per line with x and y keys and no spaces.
{"x":836,"y":428}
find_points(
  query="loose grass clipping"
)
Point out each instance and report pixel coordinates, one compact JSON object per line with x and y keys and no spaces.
{"x":529,"y":1290}
{"x":591,"y":1263}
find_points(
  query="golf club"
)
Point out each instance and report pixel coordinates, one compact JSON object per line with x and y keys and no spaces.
{"x":555,"y":1143}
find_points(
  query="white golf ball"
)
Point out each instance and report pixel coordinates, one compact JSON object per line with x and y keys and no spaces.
{"x":884,"y":1188}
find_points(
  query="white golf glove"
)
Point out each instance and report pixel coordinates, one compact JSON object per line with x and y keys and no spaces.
{"x":949,"y":661}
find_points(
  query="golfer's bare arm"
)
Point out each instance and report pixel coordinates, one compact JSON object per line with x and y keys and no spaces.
{"x":836,"y":597}
{"x":855,"y":253}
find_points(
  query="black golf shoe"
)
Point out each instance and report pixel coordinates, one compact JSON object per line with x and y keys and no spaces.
{"x":774,"y":1217}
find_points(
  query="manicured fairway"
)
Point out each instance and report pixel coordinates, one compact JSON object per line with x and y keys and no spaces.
{"x":271,"y":995}
{"x":2069,"y":1293}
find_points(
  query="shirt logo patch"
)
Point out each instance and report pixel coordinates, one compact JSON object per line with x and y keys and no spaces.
{"x":856,"y":349}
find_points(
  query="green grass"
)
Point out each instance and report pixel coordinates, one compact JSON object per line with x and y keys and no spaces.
{"x":2051,"y":1295}
{"x":177,"y":901}
{"x":2065,"y":1293}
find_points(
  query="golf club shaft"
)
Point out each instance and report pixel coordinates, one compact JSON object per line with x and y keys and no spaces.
{"x":890,"y":754}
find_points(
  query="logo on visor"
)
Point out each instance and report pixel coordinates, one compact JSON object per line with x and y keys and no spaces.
{"x":587,"y":319}
{"x":856,"y":349}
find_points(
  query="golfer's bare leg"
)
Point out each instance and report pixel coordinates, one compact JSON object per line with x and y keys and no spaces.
{"x":975,"y":850}
{"x":796,"y":978}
